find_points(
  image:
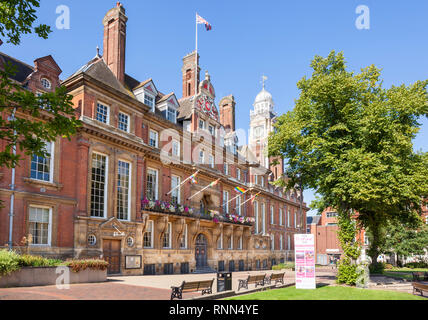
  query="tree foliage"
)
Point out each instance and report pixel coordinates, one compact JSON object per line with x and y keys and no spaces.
{"x":350,"y":139}
{"x":28,"y":131}
{"x":406,"y":240}
{"x":17,"y":18}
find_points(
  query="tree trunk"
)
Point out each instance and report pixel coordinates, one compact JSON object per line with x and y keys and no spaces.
{"x":375,"y":244}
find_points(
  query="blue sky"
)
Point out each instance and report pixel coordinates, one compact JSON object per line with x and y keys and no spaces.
{"x":249,"y":38}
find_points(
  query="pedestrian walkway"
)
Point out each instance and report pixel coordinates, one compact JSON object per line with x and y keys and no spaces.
{"x":110,"y":290}
{"x":378,"y":282}
{"x":137,"y":287}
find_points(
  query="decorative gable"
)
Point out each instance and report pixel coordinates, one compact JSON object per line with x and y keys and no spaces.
{"x":47,"y":63}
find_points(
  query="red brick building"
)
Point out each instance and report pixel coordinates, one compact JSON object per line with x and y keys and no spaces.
{"x":116,"y":189}
{"x":324,"y":228}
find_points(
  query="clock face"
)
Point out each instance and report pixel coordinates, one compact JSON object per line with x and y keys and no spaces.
{"x":206,"y":105}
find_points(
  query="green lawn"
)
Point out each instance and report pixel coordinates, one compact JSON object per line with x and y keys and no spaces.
{"x":327,"y":293}
{"x":402,"y":273}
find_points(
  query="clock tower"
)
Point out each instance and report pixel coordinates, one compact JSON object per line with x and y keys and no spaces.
{"x":262,"y":118}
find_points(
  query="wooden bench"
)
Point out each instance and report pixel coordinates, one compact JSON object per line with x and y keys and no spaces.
{"x":420,"y":287}
{"x":205,"y":286}
{"x":257,"y":279}
{"x":277,"y":277}
{"x":420,"y":276}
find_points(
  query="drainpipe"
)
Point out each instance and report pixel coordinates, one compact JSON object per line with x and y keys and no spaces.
{"x":12,"y":188}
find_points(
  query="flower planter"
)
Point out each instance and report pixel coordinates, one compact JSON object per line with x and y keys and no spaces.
{"x":46,"y":276}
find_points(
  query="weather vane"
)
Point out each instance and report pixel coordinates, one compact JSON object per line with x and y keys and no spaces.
{"x":264,"y":78}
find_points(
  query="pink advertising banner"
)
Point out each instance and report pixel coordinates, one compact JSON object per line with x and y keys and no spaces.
{"x":304,"y":253}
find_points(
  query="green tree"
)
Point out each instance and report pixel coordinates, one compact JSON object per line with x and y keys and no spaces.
{"x":20,"y":124}
{"x":406,"y":240}
{"x":17,"y":18}
{"x":350,"y":140}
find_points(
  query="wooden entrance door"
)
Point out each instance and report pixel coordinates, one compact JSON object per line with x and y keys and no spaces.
{"x":201,"y":251}
{"x":111,"y":252}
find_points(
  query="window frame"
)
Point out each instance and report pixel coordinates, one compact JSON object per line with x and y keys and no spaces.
{"x":49,"y":244}
{"x":151,"y":104}
{"x":225,"y":203}
{"x":211,"y":161}
{"x":256,"y":216}
{"x":156,"y":140}
{"x":178,"y":189}
{"x":51,"y":163}
{"x":168,"y":231}
{"x":129,"y":191}
{"x":107,"y":113}
{"x":203,"y":123}
{"x":151,"y":222}
{"x":211,"y":130}
{"x":171,"y":111}
{"x":201,"y":157}
{"x":238,"y":205}
{"x":185,"y":238}
{"x":221,"y":241}
{"x":263,"y":210}
{"x":177,"y":143}
{"x":105,"y":185}
{"x":157,"y":183}
{"x":128,"y":122}
{"x":272,"y":214}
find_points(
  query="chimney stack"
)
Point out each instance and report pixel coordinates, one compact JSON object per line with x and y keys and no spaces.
{"x":227,"y":113}
{"x":115,"y":41}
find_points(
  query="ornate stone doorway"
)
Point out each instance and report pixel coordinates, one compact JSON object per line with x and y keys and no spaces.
{"x":111,"y":252}
{"x":201,"y":251}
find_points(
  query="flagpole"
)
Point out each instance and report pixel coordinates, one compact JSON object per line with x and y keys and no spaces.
{"x":248,"y":200}
{"x":240,"y":194}
{"x":211,"y":184}
{"x":196,"y":56}
{"x":182,"y":182}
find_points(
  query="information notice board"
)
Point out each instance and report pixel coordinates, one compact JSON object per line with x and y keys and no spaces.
{"x":304,"y":253}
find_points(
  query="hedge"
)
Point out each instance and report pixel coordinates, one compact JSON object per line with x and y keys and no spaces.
{"x":11,"y":261}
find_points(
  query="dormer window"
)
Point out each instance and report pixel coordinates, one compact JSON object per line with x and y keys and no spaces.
{"x":46,"y":83}
{"x":171,"y":114}
{"x":150,"y":101}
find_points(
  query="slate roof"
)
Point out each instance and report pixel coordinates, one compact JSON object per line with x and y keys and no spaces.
{"x":185,"y":109}
{"x":23,"y":70}
{"x":97,"y":69}
{"x":130,"y":82}
{"x":164,"y":97}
